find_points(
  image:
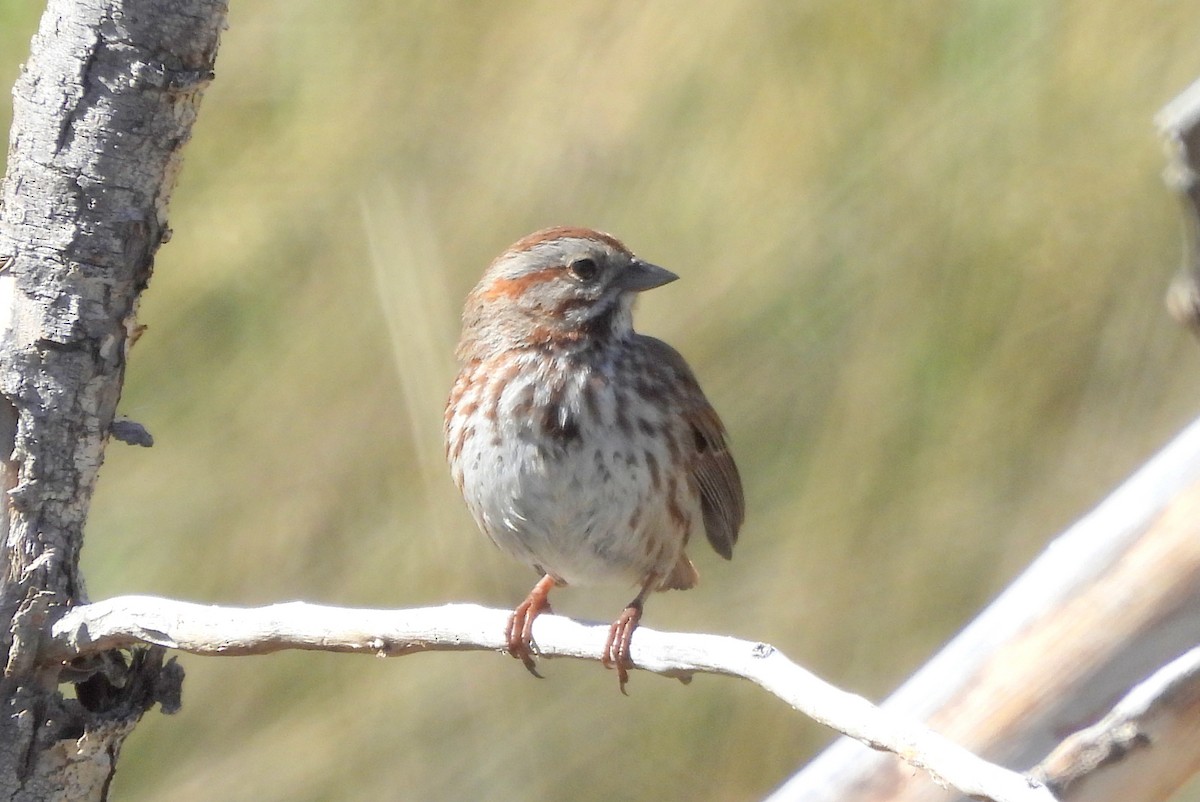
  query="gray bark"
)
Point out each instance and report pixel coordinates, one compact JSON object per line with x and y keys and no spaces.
{"x":101,"y":111}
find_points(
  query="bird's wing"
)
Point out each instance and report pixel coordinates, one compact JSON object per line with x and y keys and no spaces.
{"x":722,"y":500}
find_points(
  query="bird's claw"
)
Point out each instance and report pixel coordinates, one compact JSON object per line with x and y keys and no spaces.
{"x":518,"y":635}
{"x":617,"y":647}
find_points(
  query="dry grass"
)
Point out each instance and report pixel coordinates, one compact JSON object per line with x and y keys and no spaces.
{"x":923,"y":247}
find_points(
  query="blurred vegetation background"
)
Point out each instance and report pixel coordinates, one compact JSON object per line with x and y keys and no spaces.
{"x":923,"y":249}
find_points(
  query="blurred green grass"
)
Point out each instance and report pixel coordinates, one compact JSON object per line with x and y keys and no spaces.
{"x":923,"y":249}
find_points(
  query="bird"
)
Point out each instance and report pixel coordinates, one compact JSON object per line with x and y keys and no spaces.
{"x":582,"y":448}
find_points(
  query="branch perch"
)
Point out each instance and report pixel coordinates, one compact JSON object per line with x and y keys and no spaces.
{"x":127,"y":621}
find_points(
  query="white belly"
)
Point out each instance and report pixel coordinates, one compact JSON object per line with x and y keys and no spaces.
{"x":587,"y":494}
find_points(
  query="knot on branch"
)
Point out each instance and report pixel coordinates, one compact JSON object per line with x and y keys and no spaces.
{"x":130,"y":688}
{"x":106,"y":682}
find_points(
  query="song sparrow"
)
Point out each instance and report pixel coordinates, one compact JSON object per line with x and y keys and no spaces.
{"x":583,"y":448}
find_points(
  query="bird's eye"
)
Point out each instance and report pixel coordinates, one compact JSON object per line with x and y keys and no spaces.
{"x":584,"y":269}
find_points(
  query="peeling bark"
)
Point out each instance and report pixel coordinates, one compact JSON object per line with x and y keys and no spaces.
{"x":100,"y":114}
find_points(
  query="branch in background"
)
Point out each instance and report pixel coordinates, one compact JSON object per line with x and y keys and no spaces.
{"x":132,"y":620}
{"x":1106,"y":604}
{"x":1160,"y":712}
{"x":1179,"y":124}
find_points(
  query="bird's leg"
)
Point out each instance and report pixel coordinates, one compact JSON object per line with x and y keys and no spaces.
{"x":620,"y":634}
{"x":519,"y":633}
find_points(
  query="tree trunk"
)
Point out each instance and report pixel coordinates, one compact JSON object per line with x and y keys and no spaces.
{"x":101,"y":111}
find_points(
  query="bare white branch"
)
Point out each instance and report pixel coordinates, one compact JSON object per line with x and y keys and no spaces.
{"x":130,"y":620}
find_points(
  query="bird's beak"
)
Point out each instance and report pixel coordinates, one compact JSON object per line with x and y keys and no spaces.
{"x":641,"y":276}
